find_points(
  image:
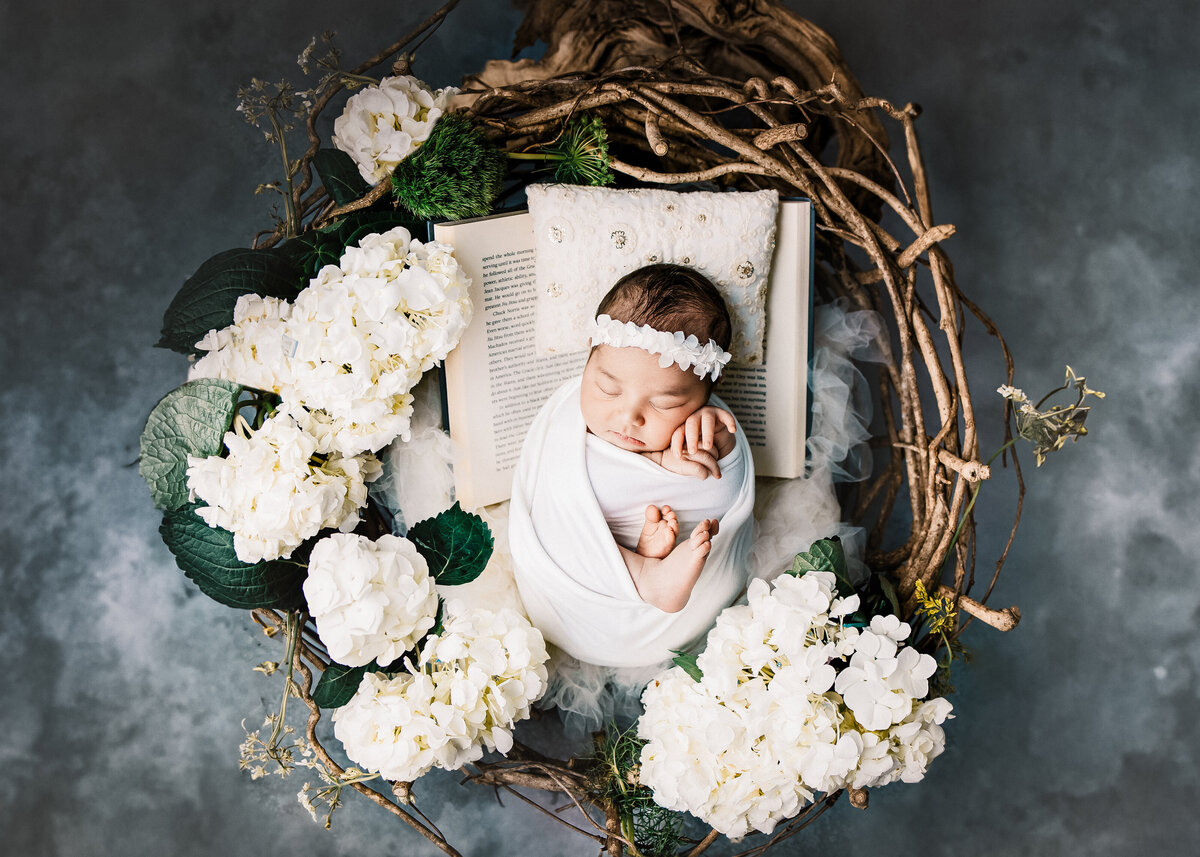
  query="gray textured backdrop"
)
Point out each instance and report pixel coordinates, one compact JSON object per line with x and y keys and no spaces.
{"x":1061,"y":139}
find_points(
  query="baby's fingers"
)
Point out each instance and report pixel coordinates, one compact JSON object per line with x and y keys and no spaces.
{"x":677,"y":443}
{"x":727,"y":420}
{"x":708,"y":426}
{"x":692,"y":429}
{"x":706,"y":463}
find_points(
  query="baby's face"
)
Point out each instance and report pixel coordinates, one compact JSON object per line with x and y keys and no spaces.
{"x":630,"y":401}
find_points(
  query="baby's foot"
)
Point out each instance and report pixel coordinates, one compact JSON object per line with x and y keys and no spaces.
{"x":676,"y":575}
{"x":658,"y":533}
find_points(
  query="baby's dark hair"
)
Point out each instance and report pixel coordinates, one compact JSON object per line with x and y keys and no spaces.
{"x":670,"y":298}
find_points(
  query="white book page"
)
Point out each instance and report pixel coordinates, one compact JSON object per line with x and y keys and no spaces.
{"x":495,"y":382}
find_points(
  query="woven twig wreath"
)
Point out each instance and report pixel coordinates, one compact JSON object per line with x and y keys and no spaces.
{"x":745,"y":94}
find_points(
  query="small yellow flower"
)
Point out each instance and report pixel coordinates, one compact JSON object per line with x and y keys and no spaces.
{"x":938,"y":609}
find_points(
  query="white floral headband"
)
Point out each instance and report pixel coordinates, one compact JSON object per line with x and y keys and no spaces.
{"x":685,"y":351}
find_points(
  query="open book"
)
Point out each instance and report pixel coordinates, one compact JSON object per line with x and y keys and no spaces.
{"x":496,"y":382}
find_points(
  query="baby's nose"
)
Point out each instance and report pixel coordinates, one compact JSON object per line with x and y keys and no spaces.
{"x":633,"y":415}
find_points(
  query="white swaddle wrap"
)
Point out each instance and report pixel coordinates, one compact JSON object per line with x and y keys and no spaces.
{"x":572,"y":578}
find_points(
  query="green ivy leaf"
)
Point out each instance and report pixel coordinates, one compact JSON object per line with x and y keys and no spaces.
{"x":688,"y":663}
{"x":207,"y":557}
{"x":207,"y":298}
{"x":338,"y":684}
{"x":340,"y":176}
{"x":825,"y":555}
{"x":456,"y":544}
{"x":190,"y":420}
{"x":311,"y":251}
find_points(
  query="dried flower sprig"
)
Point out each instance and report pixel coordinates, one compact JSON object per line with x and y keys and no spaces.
{"x":322,"y":55}
{"x":274,"y":755}
{"x":257,"y":755}
{"x":279,"y":104}
{"x":1050,"y":430}
{"x":1047,"y":430}
{"x":329,"y":796}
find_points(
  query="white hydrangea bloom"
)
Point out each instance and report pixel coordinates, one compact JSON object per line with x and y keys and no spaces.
{"x":908,"y":748}
{"x":372,"y":600}
{"x":772,"y":722}
{"x":272,"y":494}
{"x":376,"y":426}
{"x":919,"y":739}
{"x":471,"y":685}
{"x":881,"y":684}
{"x":345,"y":355}
{"x":367,"y":329}
{"x":253,"y":351}
{"x":381,"y":125}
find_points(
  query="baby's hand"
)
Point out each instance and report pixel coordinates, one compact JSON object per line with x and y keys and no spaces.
{"x":705,"y":437}
{"x":696,"y":446}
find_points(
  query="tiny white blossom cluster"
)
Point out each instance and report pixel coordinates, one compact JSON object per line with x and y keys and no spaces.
{"x":470,"y":686}
{"x":372,"y":600}
{"x":773,"y":721}
{"x":383,"y":124}
{"x":273,"y":492}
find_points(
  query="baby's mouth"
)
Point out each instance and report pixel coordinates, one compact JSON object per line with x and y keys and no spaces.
{"x":627,"y":439}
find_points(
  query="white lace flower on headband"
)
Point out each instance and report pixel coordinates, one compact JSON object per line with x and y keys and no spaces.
{"x":685,"y":351}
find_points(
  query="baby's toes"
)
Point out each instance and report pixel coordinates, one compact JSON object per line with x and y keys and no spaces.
{"x":654,"y":515}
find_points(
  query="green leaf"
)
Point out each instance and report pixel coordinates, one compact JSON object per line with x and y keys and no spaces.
{"x":311,"y":251}
{"x":338,"y":684}
{"x":825,"y":555}
{"x":687,"y":663}
{"x":340,"y":176}
{"x":190,"y":420}
{"x":207,"y":557}
{"x":206,"y":300}
{"x":456,"y":544}
{"x":889,"y":592}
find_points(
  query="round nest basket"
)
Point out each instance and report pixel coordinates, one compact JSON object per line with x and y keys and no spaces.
{"x":739,"y":94}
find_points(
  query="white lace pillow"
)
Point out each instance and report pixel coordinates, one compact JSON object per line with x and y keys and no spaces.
{"x":587,"y":238}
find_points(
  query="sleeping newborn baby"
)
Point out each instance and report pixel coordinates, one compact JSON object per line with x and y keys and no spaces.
{"x":630,"y":523}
